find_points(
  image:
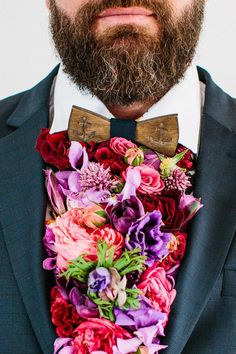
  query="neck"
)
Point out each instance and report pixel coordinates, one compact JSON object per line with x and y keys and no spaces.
{"x":131,"y":112}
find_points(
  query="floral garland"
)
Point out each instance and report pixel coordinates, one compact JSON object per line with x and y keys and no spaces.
{"x":114,"y":241}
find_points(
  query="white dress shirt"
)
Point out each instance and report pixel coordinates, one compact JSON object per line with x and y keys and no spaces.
{"x":184,"y":99}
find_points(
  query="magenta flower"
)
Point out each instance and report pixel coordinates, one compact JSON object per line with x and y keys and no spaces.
{"x":49,"y":245}
{"x":55,"y":194}
{"x":151,"y":159}
{"x":48,"y":242}
{"x":124,"y":213}
{"x":177,"y":180}
{"x":84,"y":306}
{"x":96,"y":177}
{"x":75,"y":153}
{"x":189,"y":206}
{"x":132,"y":183}
{"x":63,"y":346}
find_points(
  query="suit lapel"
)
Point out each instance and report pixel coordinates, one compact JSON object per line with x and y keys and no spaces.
{"x":23,"y":208}
{"x":213,"y":228}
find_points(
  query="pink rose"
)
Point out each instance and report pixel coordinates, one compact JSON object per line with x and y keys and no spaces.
{"x":98,"y":335}
{"x":121,"y":145}
{"x":158,"y":289}
{"x":72,"y":239}
{"x":151,"y":181}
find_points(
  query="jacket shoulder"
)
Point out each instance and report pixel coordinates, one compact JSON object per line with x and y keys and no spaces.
{"x":17,"y":109}
{"x":7,"y":107}
{"x":218,"y":104}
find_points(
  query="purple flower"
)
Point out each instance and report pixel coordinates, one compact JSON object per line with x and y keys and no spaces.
{"x":63,"y":346}
{"x":145,"y":316}
{"x":146,"y":323}
{"x":145,"y":341}
{"x":189,"y":206}
{"x":145,"y":234}
{"x":48,"y":241}
{"x":133,"y":181}
{"x":151,"y":159}
{"x":99,"y":279}
{"x":75,"y":153}
{"x":75,"y":198}
{"x":84,"y":306}
{"x":55,"y":193}
{"x":125,"y":212}
{"x":50,"y":263}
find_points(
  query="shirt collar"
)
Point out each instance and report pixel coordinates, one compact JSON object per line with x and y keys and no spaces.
{"x":183,"y":99}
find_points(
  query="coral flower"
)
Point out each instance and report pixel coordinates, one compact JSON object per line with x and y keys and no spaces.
{"x":111,"y":237}
{"x":72,"y":239}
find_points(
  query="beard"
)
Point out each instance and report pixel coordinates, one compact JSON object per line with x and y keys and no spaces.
{"x":126,"y":63}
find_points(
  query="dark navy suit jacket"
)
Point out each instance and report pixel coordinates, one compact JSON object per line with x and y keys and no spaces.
{"x":203,"y":316}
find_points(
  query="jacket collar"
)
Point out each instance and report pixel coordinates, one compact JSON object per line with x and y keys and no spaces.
{"x":32,"y":100}
{"x":23,"y":207}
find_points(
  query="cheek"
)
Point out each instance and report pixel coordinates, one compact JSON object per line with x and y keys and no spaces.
{"x":179,"y":6}
{"x":70,"y":7}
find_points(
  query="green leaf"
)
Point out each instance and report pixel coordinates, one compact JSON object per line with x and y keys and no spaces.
{"x":79,"y":269}
{"x":105,"y":307}
{"x":130,"y":261}
{"x":101,"y":213}
{"x":133,"y":299}
{"x":105,"y":255}
{"x":179,"y":156}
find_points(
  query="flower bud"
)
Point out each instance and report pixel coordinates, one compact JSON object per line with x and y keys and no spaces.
{"x":167,"y":166}
{"x":134,"y":156}
{"x":94,"y":216}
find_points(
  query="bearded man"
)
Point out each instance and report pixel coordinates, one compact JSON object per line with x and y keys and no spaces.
{"x":128,"y":59}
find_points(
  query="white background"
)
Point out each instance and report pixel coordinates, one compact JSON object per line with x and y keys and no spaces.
{"x":27,"y":54}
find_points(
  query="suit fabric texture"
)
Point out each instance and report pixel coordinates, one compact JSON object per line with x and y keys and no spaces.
{"x":203,"y":316}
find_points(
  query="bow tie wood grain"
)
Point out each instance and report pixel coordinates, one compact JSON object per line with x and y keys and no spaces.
{"x":160,"y":134}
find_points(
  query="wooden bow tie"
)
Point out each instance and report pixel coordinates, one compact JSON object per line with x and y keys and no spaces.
{"x":159,"y":134}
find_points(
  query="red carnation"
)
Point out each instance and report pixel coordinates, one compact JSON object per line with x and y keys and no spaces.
{"x":91,"y":149}
{"x":186,"y":161}
{"x":117,"y":166}
{"x":176,"y":256}
{"x":104,"y":155}
{"x":64,"y":315}
{"x":150,"y":202}
{"x":54,"y":148}
{"x":168,"y":204}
